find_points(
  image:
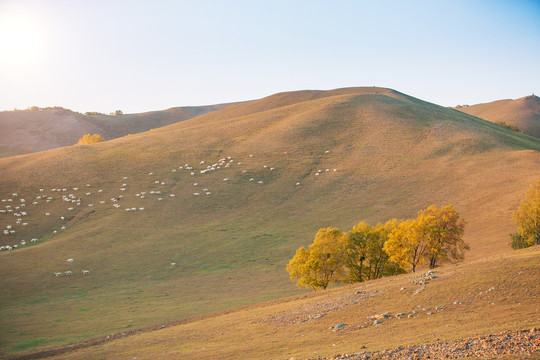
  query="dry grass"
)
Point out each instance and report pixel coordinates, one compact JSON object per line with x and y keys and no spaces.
{"x":512,"y":303}
{"x":31,"y":131}
{"x":523,"y":113}
{"x":394,"y":155}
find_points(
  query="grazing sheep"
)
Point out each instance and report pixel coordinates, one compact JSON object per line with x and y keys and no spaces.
{"x":260,"y":182}
{"x":34,"y":240}
{"x":70,"y":260}
{"x":69,"y":273}
{"x":196,"y":194}
{"x":47,"y":214}
{"x":327,"y":152}
{"x":252,"y":179}
{"x":86,"y":272}
{"x":57,"y":274}
{"x":141,"y":209}
{"x":173,"y":264}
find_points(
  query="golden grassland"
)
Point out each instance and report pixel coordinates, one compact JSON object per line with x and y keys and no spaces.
{"x":523,"y":113}
{"x":31,"y":131}
{"x":393,"y":155}
{"x":494,"y":294}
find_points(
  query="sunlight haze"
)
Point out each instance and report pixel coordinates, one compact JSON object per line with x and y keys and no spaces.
{"x":139,"y":55}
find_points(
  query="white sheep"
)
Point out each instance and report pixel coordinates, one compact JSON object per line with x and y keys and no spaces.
{"x":47,"y":214}
{"x":57,"y":274}
{"x":86,"y":272}
{"x":70,"y":260}
{"x":68,"y":272}
{"x":196,"y":194}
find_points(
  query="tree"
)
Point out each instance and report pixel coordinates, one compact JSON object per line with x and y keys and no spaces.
{"x":435,"y":235}
{"x":118,"y":112}
{"x":90,"y":139}
{"x":322,"y":263}
{"x":407,"y":245}
{"x":444,"y":230}
{"x":366,"y":258}
{"x":527,"y":216}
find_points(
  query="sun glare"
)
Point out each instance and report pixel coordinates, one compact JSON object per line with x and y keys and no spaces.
{"x":22,"y":40}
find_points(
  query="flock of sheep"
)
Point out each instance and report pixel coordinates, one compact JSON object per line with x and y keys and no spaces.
{"x":18,"y":209}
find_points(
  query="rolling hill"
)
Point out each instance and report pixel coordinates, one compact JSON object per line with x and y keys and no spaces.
{"x":157,"y":252}
{"x":523,"y":113}
{"x":32,"y":131}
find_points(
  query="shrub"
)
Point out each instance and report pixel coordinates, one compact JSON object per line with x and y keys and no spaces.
{"x":90,"y":139}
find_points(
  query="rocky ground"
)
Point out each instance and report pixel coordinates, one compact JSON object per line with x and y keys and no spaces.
{"x":521,"y":344}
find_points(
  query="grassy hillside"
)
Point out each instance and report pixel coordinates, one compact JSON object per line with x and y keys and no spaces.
{"x":482,"y":297}
{"x":32,"y":131}
{"x":523,"y":113}
{"x":392,"y":155}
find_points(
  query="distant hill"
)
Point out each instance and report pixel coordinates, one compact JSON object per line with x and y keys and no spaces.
{"x":30,"y":131}
{"x":203,"y":215}
{"x":523,"y":113}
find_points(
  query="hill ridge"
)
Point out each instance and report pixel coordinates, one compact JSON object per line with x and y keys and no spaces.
{"x":391,"y":158}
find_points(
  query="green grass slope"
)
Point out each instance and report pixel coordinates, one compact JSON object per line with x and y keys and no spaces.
{"x":523,"y":113}
{"x":392,"y":155}
{"x":478,"y":298}
{"x":32,"y":131}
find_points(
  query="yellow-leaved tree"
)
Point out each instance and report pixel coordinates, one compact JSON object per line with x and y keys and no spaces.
{"x":366,"y":258}
{"x":444,"y":229}
{"x":90,"y":139}
{"x":407,"y":245}
{"x":435,"y":235}
{"x":527,"y":219}
{"x":322,"y":263}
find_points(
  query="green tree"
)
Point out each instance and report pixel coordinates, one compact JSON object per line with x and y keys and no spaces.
{"x":527,"y":216}
{"x":322,"y":263}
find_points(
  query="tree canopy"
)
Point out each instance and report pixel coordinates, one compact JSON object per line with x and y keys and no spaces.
{"x":90,"y":139}
{"x":322,"y":263}
{"x":370,"y":252}
{"x":527,"y":218}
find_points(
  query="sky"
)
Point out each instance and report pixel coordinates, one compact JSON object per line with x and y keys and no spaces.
{"x":137,"y":56}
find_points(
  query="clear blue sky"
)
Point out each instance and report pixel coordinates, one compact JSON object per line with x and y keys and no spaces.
{"x":149,"y":55}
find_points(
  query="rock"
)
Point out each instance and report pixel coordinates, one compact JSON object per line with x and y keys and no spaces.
{"x":457,"y":302}
{"x":376,"y":322}
{"x":439,"y":308}
{"x":339,"y":327}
